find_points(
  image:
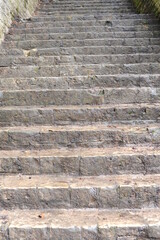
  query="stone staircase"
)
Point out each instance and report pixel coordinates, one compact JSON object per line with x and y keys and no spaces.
{"x":80,"y":124}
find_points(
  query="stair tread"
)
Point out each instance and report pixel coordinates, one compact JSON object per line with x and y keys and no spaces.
{"x":86,"y":65}
{"x":86,"y":28}
{"x":145,"y":128}
{"x":83,"y":40}
{"x":83,"y":152}
{"x":85,"y":218}
{"x":41,"y":51}
{"x":91,"y":90}
{"x":79,"y":107}
{"x":82,"y":182}
{"x":82,"y":77}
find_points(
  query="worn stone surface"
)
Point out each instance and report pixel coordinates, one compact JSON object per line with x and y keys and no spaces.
{"x":81,"y":82}
{"x":83,"y":224}
{"x":46,"y":191}
{"x":63,"y":115}
{"x":80,"y":122}
{"x":87,"y":162}
{"x":47,"y":137}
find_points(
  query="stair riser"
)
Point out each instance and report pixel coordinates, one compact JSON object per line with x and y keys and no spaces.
{"x":47,"y":140}
{"x":95,"y":50}
{"x":51,"y":3}
{"x":87,"y":10}
{"x":85,"y":29}
{"x":77,"y":59}
{"x":101,"y":50}
{"x":84,"y":4}
{"x":78,"y":70}
{"x":46,"y":3}
{"x":108,"y":198}
{"x":81,"y":43}
{"x":78,"y":97}
{"x":83,"y":36}
{"x":68,"y":7}
{"x":81,"y":166}
{"x":80,"y":82}
{"x":82,"y":116}
{"x":99,"y":16}
{"x":93,"y":232}
{"x":109,"y":23}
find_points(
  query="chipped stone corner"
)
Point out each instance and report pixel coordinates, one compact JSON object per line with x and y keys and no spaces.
{"x":10,"y":9}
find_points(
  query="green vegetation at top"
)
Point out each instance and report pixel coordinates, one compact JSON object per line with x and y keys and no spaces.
{"x":148,"y":6}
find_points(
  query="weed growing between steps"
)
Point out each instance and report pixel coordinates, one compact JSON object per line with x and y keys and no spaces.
{"x":148,"y":6}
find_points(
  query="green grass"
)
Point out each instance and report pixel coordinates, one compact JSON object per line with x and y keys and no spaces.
{"x":148,"y":6}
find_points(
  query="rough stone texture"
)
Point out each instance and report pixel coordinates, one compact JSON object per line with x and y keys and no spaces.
{"x":82,"y":161}
{"x":109,"y":192}
{"x":10,"y":9}
{"x":62,"y":115}
{"x":80,"y":123}
{"x":47,"y":137}
{"x":81,"y":225}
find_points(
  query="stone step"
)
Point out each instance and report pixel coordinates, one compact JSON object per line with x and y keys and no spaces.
{"x":82,"y":161}
{"x":81,"y":82}
{"x":30,"y":44}
{"x":90,"y":96}
{"x":86,"y":5}
{"x":87,"y":10}
{"x":80,"y":224}
{"x":104,"y":21}
{"x":88,"y":136}
{"x":77,"y":29}
{"x":78,"y":70}
{"x":48,"y":2}
{"x":73,"y":3}
{"x":109,"y":192}
{"x":66,"y":115}
{"x":82,"y":35}
{"x":79,"y":59}
{"x":47,"y":7}
{"x":88,"y":50}
{"x":79,"y":8}
{"x":83,"y":3}
{"x":94,"y":22}
{"x":82,"y":17}
{"x":51,"y":3}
